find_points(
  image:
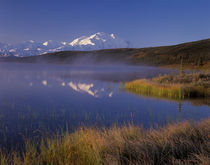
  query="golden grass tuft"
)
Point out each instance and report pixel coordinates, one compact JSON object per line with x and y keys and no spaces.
{"x":181,"y":143}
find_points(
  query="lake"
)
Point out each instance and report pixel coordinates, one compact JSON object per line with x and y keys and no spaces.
{"x":38,"y":100}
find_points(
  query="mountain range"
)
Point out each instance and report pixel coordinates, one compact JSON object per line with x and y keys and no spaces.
{"x":96,"y":41}
{"x":193,"y":54}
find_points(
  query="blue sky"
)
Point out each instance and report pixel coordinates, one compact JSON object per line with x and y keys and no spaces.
{"x":143,"y":22}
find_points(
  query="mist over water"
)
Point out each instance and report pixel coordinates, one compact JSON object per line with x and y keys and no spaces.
{"x":39,"y":99}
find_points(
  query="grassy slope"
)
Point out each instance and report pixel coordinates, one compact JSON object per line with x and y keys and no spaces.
{"x":182,"y":143}
{"x":160,"y":56}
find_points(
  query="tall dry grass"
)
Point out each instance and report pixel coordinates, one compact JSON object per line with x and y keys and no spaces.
{"x":181,"y":143}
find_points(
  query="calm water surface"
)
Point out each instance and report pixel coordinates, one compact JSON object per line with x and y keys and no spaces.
{"x":39,"y":100}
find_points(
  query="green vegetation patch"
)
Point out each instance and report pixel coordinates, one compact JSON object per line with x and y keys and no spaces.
{"x":173,"y":86}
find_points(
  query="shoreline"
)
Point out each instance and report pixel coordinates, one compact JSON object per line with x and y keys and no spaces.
{"x":179,"y":143}
{"x":194,"y":85}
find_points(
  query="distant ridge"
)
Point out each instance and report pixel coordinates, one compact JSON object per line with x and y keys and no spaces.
{"x":193,"y":54}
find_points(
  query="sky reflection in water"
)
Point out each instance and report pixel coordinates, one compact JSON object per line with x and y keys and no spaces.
{"x":37,"y":100}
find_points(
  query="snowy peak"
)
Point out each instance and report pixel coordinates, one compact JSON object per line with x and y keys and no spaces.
{"x":95,"y":41}
{"x":112,"y":35}
{"x":88,"y":40}
{"x":45,"y":43}
{"x":80,"y":41}
{"x":99,"y":40}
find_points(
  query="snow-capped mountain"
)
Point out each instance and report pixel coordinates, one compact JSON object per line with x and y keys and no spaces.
{"x":99,"y":41}
{"x":3,"y":49}
{"x":96,"y":41}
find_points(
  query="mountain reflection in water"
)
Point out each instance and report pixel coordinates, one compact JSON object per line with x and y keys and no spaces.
{"x":39,"y":100}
